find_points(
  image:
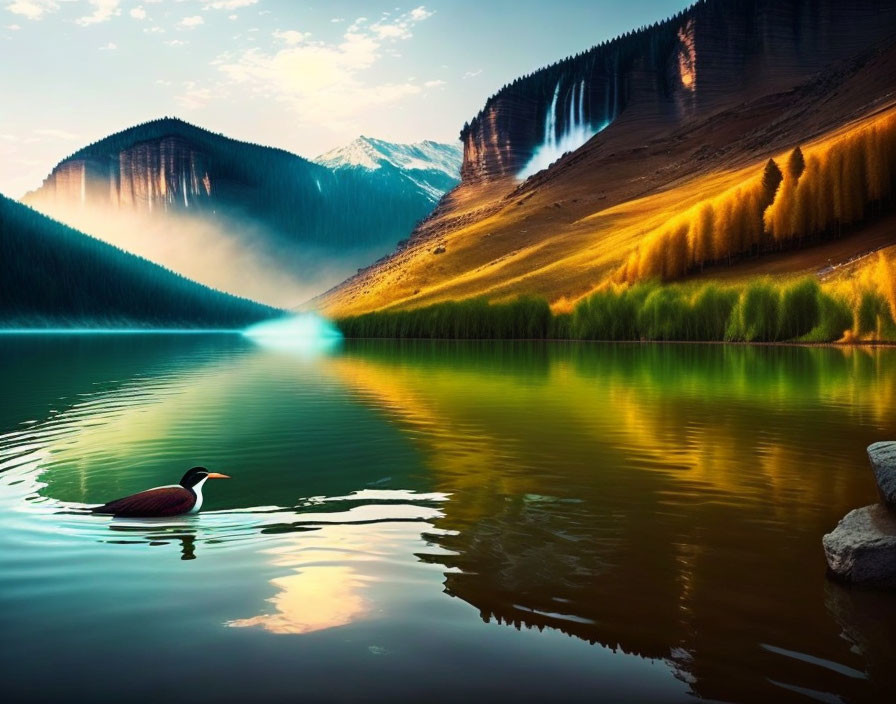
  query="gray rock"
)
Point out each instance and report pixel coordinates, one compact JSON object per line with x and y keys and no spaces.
{"x":862,"y":548}
{"x":883,"y":462}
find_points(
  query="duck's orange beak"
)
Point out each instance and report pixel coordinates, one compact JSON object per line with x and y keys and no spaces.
{"x":216,"y":475}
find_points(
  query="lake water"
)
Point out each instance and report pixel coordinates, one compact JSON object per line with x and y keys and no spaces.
{"x":438,"y":521}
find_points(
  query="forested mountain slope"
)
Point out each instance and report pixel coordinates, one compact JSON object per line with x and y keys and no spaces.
{"x":54,"y":276}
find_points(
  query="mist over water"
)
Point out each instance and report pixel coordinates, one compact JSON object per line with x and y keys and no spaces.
{"x":307,"y":332}
{"x":228,"y":252}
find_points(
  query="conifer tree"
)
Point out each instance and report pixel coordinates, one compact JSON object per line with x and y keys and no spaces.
{"x":796,"y":164}
{"x":771,"y":179}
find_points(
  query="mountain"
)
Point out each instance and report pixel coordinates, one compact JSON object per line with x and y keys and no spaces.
{"x":604,"y":162}
{"x":54,"y":276}
{"x":431,"y":167}
{"x":253,"y":220}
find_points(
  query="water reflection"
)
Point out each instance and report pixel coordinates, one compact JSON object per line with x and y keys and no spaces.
{"x":328,"y":584}
{"x":660,"y":501}
{"x":324,"y":596}
{"x":141,"y":535}
{"x":664,"y":500}
{"x":865,"y":619}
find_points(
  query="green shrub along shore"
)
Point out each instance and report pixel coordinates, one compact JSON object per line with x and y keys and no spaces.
{"x":759,"y":311}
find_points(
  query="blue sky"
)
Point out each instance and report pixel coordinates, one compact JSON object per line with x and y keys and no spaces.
{"x":302,"y":76}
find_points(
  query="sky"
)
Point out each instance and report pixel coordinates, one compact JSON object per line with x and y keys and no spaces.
{"x":306,"y":77}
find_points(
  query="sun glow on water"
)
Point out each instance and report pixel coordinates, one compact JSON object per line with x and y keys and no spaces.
{"x":306,"y":331}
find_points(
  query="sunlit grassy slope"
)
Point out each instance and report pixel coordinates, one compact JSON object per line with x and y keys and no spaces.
{"x":569,"y":231}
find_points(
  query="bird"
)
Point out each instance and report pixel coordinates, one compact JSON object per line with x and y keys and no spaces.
{"x":170,"y":500}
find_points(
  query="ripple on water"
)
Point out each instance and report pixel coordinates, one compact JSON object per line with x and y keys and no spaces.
{"x":63,"y":443}
{"x":613,"y":502}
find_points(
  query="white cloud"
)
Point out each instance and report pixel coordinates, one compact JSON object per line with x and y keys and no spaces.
{"x":138,"y":13}
{"x":194,"y":97}
{"x":33,"y":9}
{"x":472,"y":74}
{"x":13,"y":27}
{"x":398,"y":27}
{"x":103,"y":10}
{"x":337,"y":20}
{"x":391,"y":31}
{"x":290,"y":36}
{"x":176,"y":42}
{"x":190,"y":22}
{"x":323,"y":82}
{"x":228,"y":4}
{"x":434,"y":84}
{"x":111,"y":46}
{"x":155,"y":29}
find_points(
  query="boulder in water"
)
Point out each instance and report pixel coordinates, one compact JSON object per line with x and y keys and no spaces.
{"x":883,"y":462}
{"x":862,"y":548}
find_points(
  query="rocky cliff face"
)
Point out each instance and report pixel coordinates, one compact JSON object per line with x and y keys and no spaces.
{"x":708,"y":57}
{"x":163,"y":174}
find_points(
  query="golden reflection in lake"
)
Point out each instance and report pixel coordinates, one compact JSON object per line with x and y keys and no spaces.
{"x":652,"y":498}
{"x":332,"y":563}
{"x":314,"y":598}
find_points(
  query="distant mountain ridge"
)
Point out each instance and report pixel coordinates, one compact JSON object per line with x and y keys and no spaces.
{"x":433,"y":167}
{"x":253,"y":220}
{"x":54,"y":276}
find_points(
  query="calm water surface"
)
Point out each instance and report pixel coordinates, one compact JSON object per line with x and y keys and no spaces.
{"x":438,"y":521}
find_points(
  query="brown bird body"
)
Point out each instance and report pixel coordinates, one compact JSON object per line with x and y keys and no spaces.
{"x":163,"y":501}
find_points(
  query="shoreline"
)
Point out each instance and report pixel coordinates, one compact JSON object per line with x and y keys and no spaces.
{"x":119,"y":331}
{"x":222,"y":331}
{"x":218,"y":331}
{"x":859,"y":343}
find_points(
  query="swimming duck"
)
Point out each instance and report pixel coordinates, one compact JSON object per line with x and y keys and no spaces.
{"x":170,"y":500}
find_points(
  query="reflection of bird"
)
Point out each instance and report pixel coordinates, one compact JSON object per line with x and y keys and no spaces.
{"x":171,"y":500}
{"x":187,"y":546}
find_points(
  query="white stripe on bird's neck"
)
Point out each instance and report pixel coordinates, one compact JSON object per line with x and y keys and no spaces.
{"x":197,"y":489}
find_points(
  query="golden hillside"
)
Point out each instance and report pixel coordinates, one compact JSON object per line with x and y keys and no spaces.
{"x":598,"y":213}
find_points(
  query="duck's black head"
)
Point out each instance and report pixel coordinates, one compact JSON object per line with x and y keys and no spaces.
{"x":198,"y":474}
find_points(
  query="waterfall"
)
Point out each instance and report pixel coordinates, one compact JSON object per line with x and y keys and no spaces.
{"x":574,"y":133}
{"x":550,"y":120}
{"x":581,"y":116}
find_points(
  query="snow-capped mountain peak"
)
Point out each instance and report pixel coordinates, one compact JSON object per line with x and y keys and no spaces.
{"x":433,"y":167}
{"x":359,"y":152}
